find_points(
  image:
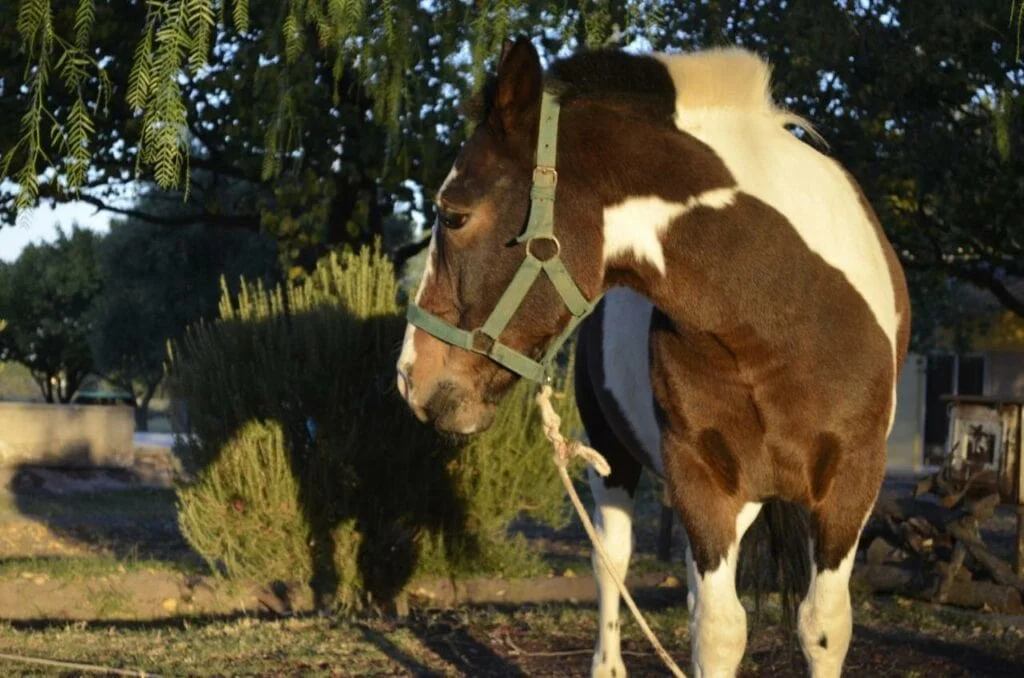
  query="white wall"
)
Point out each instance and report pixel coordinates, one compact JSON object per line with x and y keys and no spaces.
{"x":905,"y":439}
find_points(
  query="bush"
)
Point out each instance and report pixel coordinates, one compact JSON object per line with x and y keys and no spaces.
{"x":307,"y":465}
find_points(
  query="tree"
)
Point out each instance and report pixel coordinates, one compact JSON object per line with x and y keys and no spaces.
{"x":921,"y":102}
{"x":335,"y":113}
{"x":339,"y":115}
{"x":47,"y":296}
{"x":158,"y":280}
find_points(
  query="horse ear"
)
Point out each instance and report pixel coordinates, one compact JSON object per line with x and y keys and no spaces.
{"x":506,"y":47}
{"x":519,"y":85}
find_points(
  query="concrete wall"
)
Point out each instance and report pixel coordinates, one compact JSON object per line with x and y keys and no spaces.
{"x":66,"y":435}
{"x":904,"y":444}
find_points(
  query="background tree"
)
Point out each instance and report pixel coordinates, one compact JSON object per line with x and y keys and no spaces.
{"x":336,"y":118}
{"x":158,"y":280}
{"x":47,"y":296}
{"x":337,"y":114}
{"x":921,"y":102}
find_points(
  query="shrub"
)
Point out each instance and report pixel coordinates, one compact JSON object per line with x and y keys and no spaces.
{"x":306,"y":464}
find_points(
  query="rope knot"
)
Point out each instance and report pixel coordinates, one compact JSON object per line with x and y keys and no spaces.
{"x":566,"y":449}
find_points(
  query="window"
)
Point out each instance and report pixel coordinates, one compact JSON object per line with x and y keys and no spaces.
{"x":947,"y":374}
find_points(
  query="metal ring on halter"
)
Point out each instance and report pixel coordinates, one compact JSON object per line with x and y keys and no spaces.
{"x":552,"y":238}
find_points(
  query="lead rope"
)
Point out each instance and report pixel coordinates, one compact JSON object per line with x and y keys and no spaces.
{"x":564,"y":450}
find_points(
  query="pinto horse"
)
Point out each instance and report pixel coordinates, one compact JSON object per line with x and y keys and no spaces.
{"x":752,"y":322}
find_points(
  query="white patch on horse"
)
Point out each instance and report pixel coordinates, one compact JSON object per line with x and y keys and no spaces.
{"x":825,"y":618}
{"x":625,"y":348}
{"x":613,"y":520}
{"x":407,"y":358}
{"x":740,"y":123}
{"x":637,"y":224}
{"x":718,"y":622}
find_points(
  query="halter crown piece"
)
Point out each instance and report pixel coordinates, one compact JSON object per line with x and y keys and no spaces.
{"x":541,"y":226}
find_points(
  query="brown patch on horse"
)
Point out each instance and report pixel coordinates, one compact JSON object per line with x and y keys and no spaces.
{"x":824,"y":466}
{"x":719,"y":459}
{"x":801,"y":385}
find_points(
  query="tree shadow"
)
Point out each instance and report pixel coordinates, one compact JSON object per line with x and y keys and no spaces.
{"x":358,"y":457}
{"x":98,"y":510}
{"x":975,"y":661}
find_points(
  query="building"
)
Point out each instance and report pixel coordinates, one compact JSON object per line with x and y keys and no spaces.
{"x":992,"y":365}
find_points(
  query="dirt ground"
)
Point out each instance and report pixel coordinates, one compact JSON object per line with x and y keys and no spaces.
{"x":93,"y":569}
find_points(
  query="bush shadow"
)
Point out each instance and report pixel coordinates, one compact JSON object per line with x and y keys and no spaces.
{"x":372,"y":485}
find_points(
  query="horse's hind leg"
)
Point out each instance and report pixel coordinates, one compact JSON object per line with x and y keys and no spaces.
{"x":718,"y":622}
{"x":843,"y":503}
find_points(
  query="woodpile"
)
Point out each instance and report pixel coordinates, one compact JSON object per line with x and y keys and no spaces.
{"x":929,"y":545}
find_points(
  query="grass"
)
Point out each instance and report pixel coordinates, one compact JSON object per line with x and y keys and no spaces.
{"x":108,"y":601}
{"x":84,"y":568}
{"x":311,"y":646}
{"x":892,"y":639}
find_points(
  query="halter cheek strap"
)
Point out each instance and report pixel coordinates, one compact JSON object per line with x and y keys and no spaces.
{"x":541,"y":226}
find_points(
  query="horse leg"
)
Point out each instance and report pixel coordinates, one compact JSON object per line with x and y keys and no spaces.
{"x":613,"y":516}
{"x":825,"y":617}
{"x":613,"y":521}
{"x":716,"y":515}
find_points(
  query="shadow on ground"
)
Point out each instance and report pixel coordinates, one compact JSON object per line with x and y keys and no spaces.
{"x":53,"y":511}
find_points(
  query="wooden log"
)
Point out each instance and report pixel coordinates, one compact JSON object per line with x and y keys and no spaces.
{"x":891,"y":579}
{"x":965,"y":532}
{"x":880,"y":550}
{"x":888,"y":579}
{"x":951,"y":572}
{"x":982,"y":594}
{"x":984,"y":508}
{"x":924,"y":485}
{"x":905,"y":508}
{"x":981,"y":481}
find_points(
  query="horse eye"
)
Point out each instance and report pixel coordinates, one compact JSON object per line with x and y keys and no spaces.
{"x":453,"y":220}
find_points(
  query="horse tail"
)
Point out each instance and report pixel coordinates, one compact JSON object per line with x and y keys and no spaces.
{"x":774,"y":556}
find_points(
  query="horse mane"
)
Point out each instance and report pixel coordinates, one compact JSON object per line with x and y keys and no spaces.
{"x":728,"y":78}
{"x":657,"y":85}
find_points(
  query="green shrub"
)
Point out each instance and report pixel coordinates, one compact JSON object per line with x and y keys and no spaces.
{"x":306,"y":464}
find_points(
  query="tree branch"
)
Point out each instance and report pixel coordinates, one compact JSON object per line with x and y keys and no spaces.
{"x":249,"y":222}
{"x":987,"y":280}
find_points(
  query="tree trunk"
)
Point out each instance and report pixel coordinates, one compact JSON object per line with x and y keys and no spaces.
{"x":142,"y":417}
{"x":44,"y":384}
{"x":72,"y":381}
{"x":142,"y":407}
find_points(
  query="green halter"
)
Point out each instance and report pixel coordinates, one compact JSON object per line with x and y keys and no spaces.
{"x":541,"y":226}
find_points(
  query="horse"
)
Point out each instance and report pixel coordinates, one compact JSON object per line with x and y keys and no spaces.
{"x":742,"y":318}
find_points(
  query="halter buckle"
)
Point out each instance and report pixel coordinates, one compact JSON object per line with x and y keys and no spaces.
{"x":545,"y":176}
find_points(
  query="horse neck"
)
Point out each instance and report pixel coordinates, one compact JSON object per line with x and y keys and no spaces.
{"x":639,"y":177}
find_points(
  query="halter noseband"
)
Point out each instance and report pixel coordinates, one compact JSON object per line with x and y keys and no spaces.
{"x":541,"y":226}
